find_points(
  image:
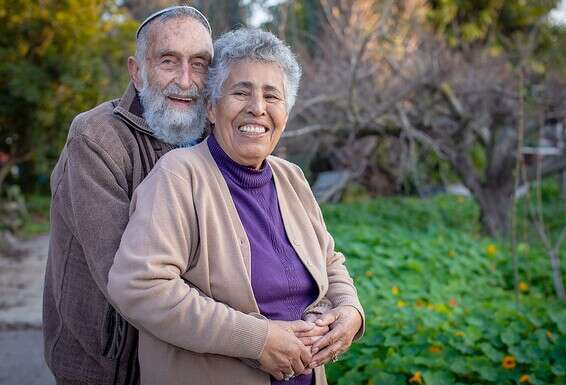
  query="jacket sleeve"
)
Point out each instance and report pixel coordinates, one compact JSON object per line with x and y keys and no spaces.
{"x":341,"y":289}
{"x":94,"y":193}
{"x":146,"y":284}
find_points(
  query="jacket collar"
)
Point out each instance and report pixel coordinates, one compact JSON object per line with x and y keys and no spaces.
{"x":130,"y":110}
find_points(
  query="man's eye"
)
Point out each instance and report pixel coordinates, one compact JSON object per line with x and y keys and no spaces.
{"x":199,"y":66}
{"x":167,"y":61}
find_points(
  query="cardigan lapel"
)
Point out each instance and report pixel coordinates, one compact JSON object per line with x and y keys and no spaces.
{"x":215,"y":173}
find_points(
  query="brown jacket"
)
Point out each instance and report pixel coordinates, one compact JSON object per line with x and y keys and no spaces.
{"x":91,"y":187}
{"x":182,"y":272}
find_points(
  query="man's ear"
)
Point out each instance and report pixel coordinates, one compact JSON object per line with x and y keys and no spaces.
{"x":135,"y":72}
{"x":210,"y":112}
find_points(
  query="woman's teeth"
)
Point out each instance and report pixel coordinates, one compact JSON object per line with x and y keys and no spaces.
{"x":252,"y":129}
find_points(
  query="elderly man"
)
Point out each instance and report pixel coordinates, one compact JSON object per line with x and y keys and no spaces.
{"x":109,"y":150}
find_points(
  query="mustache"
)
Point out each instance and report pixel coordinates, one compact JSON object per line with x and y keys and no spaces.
{"x":174,"y":90}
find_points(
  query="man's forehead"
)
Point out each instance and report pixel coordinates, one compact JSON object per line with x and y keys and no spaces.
{"x":179,"y":34}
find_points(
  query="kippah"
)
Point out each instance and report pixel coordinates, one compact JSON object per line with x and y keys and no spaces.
{"x":169,"y":9}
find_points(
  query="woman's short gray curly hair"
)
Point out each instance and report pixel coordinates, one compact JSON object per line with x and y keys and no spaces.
{"x":252,"y":44}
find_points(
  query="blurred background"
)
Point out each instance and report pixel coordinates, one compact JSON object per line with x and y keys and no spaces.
{"x":433,"y":134}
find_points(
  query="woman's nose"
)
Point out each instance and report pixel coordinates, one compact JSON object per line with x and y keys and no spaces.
{"x":256,"y":105}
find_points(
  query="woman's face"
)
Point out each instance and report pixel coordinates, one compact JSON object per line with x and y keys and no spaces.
{"x":251,"y":114}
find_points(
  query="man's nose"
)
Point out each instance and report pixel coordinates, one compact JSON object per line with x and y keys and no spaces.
{"x":184,"y":78}
{"x":256,"y":104}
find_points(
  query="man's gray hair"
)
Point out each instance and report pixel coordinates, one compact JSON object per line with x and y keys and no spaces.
{"x":256,"y":45}
{"x":180,"y":11}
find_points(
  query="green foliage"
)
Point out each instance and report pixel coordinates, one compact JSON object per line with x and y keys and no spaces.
{"x":439,"y":299}
{"x":57,"y":58}
{"x":469,"y":21}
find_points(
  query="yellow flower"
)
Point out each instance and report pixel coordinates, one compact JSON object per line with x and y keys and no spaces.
{"x":416,"y":378}
{"x":523,"y":287}
{"x":524,"y":378}
{"x":508,"y":362}
{"x":435,"y":349}
{"x":430,"y":306}
{"x":549,"y":334}
{"x":491,"y":250}
{"x":401,"y":304}
{"x":395,"y":290}
{"x":451,"y":253}
{"x":369,"y":274}
{"x":459,"y":334}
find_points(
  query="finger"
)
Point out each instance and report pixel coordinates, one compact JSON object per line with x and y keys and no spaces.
{"x":306,"y":356}
{"x":327,"y":354}
{"x":311,"y":317}
{"x":306,"y":372}
{"x":278,"y":376}
{"x":309,"y":341}
{"x":328,"y":339}
{"x":298,"y":366}
{"x":328,"y":318}
{"x":301,"y":326}
{"x":316,"y":331}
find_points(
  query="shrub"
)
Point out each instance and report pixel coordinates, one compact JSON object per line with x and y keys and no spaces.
{"x":439,"y":300}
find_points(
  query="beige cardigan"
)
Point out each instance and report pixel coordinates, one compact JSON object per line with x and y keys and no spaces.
{"x":182,"y":272}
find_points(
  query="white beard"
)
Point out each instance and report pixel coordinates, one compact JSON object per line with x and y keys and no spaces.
{"x":179,"y":128}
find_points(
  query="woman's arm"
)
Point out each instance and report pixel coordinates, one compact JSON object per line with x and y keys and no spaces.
{"x":146,"y":286}
{"x":145,"y":280}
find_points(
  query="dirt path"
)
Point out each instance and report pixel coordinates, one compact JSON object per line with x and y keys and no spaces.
{"x":21,"y":288}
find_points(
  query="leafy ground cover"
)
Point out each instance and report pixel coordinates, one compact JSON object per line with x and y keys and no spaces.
{"x":439,"y":298}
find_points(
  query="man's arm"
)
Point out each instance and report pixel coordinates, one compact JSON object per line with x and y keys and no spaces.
{"x":94,"y":194}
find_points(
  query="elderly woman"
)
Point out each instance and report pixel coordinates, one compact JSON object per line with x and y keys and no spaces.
{"x":226,"y":249}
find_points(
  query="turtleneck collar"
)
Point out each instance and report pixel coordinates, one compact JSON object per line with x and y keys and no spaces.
{"x":246,"y":177}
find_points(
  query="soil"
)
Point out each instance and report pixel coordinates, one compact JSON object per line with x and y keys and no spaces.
{"x":22,"y":268}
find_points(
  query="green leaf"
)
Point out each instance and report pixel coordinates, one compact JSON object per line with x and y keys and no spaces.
{"x":510,"y":337}
{"x":383,"y":378}
{"x":493,"y":354}
{"x":438,"y":378}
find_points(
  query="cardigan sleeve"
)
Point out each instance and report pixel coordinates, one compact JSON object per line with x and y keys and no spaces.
{"x":146,"y":285}
{"x":341,"y":290}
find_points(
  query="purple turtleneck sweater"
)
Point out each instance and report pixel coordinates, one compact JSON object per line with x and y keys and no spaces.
{"x":282,"y":286}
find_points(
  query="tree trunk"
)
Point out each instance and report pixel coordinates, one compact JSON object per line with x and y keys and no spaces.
{"x":496,"y":204}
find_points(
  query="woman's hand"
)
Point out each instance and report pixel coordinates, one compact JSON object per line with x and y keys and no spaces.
{"x":309,"y":337}
{"x":344,"y":323}
{"x":284,"y":354}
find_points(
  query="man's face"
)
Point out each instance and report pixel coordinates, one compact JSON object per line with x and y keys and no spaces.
{"x":173,"y":78}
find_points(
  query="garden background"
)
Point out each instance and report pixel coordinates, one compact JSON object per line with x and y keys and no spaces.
{"x":440,"y":124}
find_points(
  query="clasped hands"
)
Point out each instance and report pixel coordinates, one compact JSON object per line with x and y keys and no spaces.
{"x":296,"y":347}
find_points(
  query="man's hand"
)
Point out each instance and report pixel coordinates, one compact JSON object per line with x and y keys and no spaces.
{"x":284,"y":354}
{"x":344,"y":323}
